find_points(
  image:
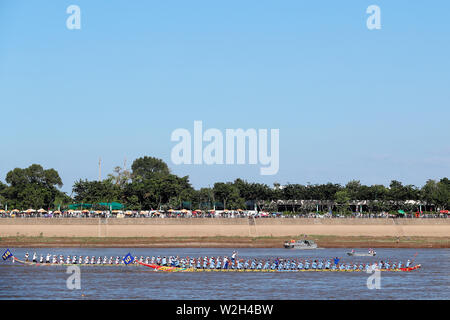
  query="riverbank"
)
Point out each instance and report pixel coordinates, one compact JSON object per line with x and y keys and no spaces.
{"x":222,"y":242}
{"x":222,"y":227}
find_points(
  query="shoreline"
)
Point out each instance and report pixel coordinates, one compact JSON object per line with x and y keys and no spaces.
{"x":222,"y":242}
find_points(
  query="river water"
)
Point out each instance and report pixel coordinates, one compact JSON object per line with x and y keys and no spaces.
{"x":432,"y":281}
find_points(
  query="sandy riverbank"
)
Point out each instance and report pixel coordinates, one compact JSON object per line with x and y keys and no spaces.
{"x":269,"y":233}
{"x":225,"y":242}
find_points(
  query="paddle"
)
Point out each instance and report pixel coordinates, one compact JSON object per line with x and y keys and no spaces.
{"x":414,"y":258}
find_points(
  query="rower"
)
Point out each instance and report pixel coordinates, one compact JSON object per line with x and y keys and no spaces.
{"x":233,"y":256}
{"x":47,"y":258}
{"x":163,"y":261}
{"x":320,"y":266}
{"x":54,"y":260}
{"x":225,"y":262}
{"x":68,"y":260}
{"x":34,"y":257}
{"x":408,"y":263}
{"x":80,"y":260}
{"x":74,"y":260}
{"x":218,"y":263}
{"x":61,"y":259}
{"x":41,"y":259}
{"x":92,"y":260}
{"x":146,"y":260}
{"x":86,"y":260}
{"x":300,"y":265}
{"x":260,"y":265}
{"x":399,"y":264}
{"x":26,"y":257}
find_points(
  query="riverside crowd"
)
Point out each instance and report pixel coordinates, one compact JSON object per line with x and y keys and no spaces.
{"x":41,"y":213}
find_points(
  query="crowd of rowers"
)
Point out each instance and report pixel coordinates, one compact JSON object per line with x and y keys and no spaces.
{"x":225,"y":262}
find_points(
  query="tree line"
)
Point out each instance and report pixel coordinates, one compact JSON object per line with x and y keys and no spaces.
{"x":151,"y":185}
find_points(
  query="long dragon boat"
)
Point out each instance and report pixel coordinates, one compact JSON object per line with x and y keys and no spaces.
{"x":156,"y":267}
{"x":178,"y":269}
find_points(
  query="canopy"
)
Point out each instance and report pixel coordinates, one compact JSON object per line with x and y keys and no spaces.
{"x":112,"y":205}
{"x":41,"y":210}
{"x":15,"y":210}
{"x":401,"y":212}
{"x":2,"y":211}
{"x":80,"y":206}
{"x":30,"y":211}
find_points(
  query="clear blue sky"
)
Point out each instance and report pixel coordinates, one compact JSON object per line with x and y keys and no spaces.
{"x":350,"y":103}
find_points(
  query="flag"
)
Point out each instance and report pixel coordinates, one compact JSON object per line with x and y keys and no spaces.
{"x":128,"y":258}
{"x":7,"y":255}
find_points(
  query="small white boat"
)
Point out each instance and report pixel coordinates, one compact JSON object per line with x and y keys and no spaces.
{"x":301,"y":244}
{"x":360,"y":254}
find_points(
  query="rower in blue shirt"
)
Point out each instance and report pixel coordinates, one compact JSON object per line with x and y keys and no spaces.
{"x":280,"y":266}
{"x":306,"y":265}
{"x":300,"y":266}
{"x":314,"y":265}
{"x":399,"y":264}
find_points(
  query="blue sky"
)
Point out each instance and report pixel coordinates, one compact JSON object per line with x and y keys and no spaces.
{"x":350,"y":103}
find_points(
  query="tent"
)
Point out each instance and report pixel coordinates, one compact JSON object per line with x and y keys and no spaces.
{"x":401,"y":212}
{"x":80,"y":206}
{"x":112,"y":205}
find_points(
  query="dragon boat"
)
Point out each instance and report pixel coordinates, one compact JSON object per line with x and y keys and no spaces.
{"x":156,"y":267}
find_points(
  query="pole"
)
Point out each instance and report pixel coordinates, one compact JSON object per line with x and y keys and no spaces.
{"x":99,"y":169}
